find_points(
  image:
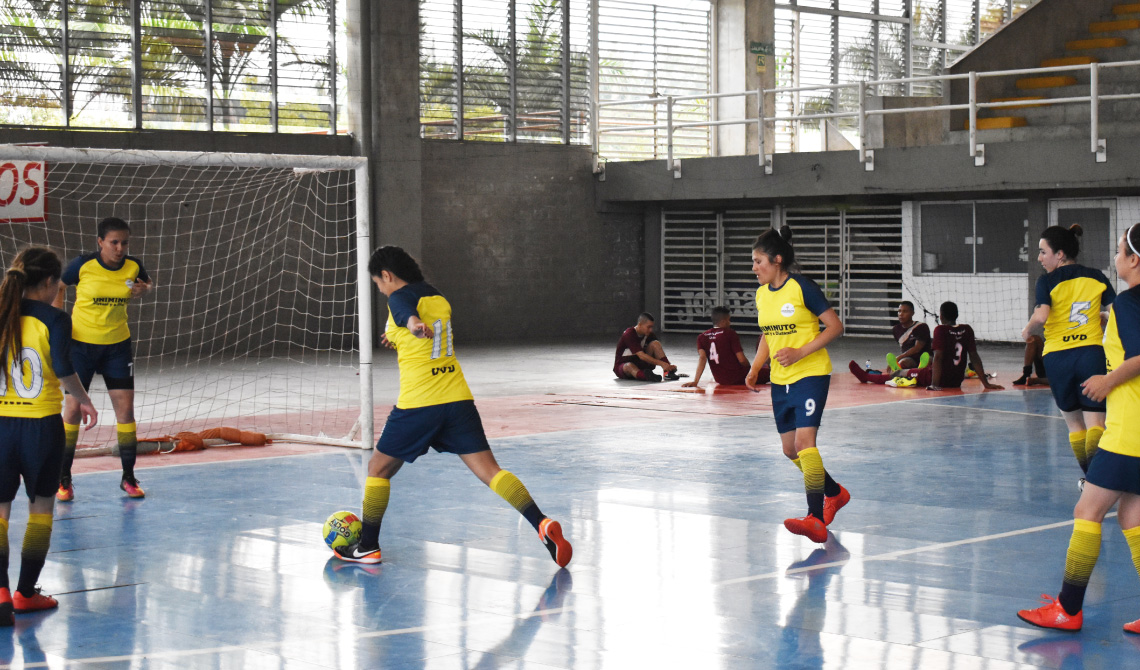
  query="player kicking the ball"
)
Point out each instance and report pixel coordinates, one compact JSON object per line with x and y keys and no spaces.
{"x":435,"y":408}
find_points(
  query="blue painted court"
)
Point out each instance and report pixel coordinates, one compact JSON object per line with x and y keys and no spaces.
{"x":960,"y":516}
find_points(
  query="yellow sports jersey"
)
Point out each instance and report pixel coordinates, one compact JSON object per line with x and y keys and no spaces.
{"x":101,"y":297}
{"x":1076,"y":295}
{"x":789,"y":317}
{"x":1121,"y":342}
{"x":429,"y":372}
{"x":30,"y":390}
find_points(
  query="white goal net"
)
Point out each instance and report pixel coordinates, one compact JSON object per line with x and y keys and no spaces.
{"x":254,"y":321}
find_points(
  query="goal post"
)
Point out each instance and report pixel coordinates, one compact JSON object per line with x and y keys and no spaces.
{"x":262,"y":308}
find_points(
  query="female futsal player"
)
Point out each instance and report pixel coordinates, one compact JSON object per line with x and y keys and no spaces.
{"x":105,"y":282}
{"x":1114,"y":473}
{"x":1069,"y":301}
{"x":435,"y":408}
{"x":35,"y":344}
{"x":790,"y":307}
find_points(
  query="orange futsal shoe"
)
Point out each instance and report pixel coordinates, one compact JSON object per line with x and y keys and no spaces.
{"x":353,"y":553}
{"x":6,"y":618}
{"x":33,"y":603}
{"x":1052,"y":615}
{"x":131,"y":486}
{"x":66,"y":492}
{"x":809,"y":526}
{"x":550,"y":532}
{"x":834,"y":504}
{"x":1133,"y":627}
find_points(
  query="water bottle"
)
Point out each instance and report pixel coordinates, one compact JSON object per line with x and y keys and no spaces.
{"x":867,"y":366}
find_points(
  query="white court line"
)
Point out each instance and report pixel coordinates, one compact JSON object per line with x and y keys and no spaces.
{"x":891,"y":555}
{"x":984,"y":409}
{"x":268,"y":647}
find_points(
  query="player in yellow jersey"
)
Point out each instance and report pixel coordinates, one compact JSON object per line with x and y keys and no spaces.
{"x":1070,"y":299}
{"x":1114,"y":472}
{"x":435,"y":408}
{"x":789,"y":308}
{"x":35,"y":343}
{"x":105,"y":281}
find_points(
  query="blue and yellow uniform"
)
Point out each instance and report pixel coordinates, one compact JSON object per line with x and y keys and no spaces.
{"x":1073,"y":352}
{"x":435,"y":408}
{"x":99,"y":318}
{"x":31,"y":429}
{"x":789,"y":317}
{"x":1116,"y":465}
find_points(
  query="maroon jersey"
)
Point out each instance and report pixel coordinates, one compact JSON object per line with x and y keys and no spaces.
{"x":721,"y":346}
{"x":954,"y":342}
{"x":908,"y":336}
{"x":627,"y":348}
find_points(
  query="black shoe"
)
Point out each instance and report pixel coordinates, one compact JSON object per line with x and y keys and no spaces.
{"x":354,"y":554}
{"x":674,"y":376}
{"x":1021,"y":381}
{"x":653,"y":377}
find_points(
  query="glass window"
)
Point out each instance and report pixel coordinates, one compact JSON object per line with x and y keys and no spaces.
{"x":973,"y":237}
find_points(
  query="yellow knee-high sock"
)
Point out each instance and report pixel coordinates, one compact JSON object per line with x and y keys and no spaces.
{"x":1077,"y":442}
{"x":3,"y":553}
{"x":37,"y":540}
{"x":1084,"y":549}
{"x":796,"y":462}
{"x":377,"y":490}
{"x":814,"y":476}
{"x":512,"y":490}
{"x":70,"y":440}
{"x":1092,"y":441}
{"x":128,"y":447}
{"x":1132,"y":536}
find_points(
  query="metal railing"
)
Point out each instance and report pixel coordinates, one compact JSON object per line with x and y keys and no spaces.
{"x":1094,"y":98}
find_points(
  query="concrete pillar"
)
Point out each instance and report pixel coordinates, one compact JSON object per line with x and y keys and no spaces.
{"x":396,"y":145}
{"x":1037,"y":213}
{"x":745,"y":48}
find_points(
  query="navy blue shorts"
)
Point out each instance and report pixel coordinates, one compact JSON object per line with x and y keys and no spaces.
{"x":800,"y":404}
{"x":113,"y":361}
{"x":33,"y":449}
{"x":1113,"y":471}
{"x":453,"y":427}
{"x":1066,"y":370}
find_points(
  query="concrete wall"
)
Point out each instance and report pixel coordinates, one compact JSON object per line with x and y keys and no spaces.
{"x":1038,"y":33}
{"x":512,"y":236}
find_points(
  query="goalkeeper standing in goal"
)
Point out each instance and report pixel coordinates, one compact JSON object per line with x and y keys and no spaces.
{"x":435,"y":408}
{"x":105,"y":281}
{"x":789,"y":308}
{"x":35,"y":340}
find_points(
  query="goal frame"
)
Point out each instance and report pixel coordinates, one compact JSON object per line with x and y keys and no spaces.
{"x":358,"y":164}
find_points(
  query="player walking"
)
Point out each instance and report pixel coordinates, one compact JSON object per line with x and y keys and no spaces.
{"x":105,"y":281}
{"x":790,"y":307}
{"x":35,"y":343}
{"x":435,"y":408}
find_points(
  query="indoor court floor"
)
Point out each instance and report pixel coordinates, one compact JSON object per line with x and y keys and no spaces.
{"x":674,"y":501}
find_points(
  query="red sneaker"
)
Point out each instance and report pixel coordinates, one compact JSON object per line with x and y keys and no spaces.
{"x":6,"y":618}
{"x":834,"y":504}
{"x":33,"y":603}
{"x":1133,"y":627}
{"x":131,"y":486}
{"x":66,"y":492}
{"x":1052,"y":615}
{"x":550,"y":532}
{"x":809,"y":526}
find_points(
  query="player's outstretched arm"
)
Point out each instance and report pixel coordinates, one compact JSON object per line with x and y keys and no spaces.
{"x":1040,"y":316}
{"x":703,"y":357}
{"x":757,"y":363}
{"x":981,"y":370}
{"x":89,"y":416}
{"x":419,"y":328}
{"x":936,"y":372}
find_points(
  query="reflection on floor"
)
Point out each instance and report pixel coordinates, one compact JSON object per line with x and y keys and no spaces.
{"x":674,"y":503}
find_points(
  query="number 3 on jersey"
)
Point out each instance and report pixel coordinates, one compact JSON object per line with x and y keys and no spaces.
{"x":437,"y":339}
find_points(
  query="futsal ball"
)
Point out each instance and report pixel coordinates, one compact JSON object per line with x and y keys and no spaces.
{"x":341,"y":529}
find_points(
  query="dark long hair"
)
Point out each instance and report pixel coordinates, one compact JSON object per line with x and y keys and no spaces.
{"x":1064,"y":239}
{"x":397,"y":261}
{"x":30,"y":267}
{"x":774,"y":243}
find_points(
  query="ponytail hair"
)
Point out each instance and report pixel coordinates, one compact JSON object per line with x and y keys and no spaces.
{"x":773,"y":243}
{"x":1064,"y":239}
{"x":397,"y":261}
{"x":1132,"y":240}
{"x":30,"y":268}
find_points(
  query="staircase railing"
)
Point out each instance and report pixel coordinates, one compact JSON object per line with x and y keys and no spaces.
{"x":1098,"y":144}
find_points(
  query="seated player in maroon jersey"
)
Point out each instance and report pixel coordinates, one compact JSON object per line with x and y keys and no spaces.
{"x":952,"y":343}
{"x":639,"y":352}
{"x":719,"y":348}
{"x":913,"y":338}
